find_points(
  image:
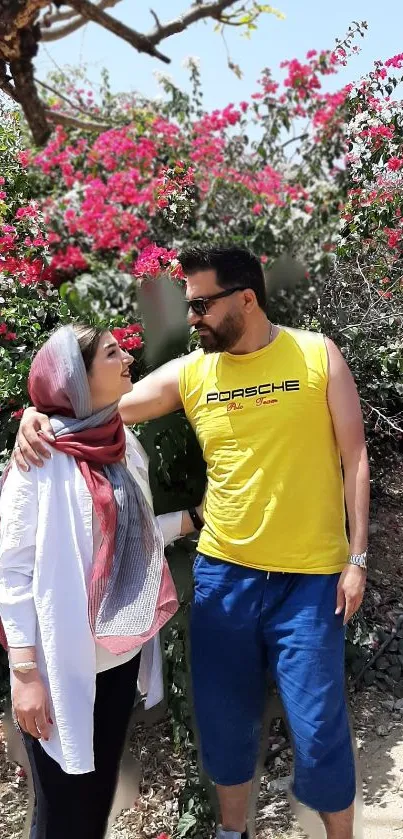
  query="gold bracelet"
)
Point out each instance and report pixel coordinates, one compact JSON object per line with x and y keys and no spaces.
{"x":23,"y":666}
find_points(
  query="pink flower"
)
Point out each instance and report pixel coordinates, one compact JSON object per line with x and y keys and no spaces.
{"x":3,"y":195}
{"x":53,"y":238}
{"x":30,"y":210}
{"x":17,"y":416}
{"x":396,"y":61}
{"x":127,"y":337}
{"x":132,"y":343}
{"x":69,"y":261}
{"x":394,"y":163}
{"x":301,"y":78}
{"x":3,"y":328}
{"x":393,"y":237}
{"x":152,"y":261}
{"x":24,"y":158}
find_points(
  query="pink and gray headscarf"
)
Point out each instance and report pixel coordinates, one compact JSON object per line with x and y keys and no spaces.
{"x":131,"y":594}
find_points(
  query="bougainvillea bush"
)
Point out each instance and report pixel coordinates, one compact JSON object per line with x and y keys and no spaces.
{"x":310,"y":181}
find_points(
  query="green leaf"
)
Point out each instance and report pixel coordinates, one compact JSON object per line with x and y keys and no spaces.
{"x":185,"y":824}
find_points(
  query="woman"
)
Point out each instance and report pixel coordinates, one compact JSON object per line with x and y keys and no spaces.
{"x":84,"y":585}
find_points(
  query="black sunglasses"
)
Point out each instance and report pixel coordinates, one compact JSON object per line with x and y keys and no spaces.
{"x":200,"y":305}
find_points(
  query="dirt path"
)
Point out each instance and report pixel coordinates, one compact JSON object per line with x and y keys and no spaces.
{"x":379,"y":732}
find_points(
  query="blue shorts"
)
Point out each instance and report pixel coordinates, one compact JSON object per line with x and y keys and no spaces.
{"x":246,"y":624}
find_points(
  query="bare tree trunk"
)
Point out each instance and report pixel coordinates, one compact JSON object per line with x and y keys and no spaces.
{"x":22,"y":72}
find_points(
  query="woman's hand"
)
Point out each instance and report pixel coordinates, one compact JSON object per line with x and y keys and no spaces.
{"x":31,"y":704}
{"x":30,"y":447}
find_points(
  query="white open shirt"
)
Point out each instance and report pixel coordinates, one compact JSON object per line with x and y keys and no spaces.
{"x":47,"y":535}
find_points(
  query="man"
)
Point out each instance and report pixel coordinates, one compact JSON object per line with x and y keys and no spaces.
{"x":276,"y":412}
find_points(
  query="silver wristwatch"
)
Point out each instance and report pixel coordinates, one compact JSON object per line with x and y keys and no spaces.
{"x":359,"y":559}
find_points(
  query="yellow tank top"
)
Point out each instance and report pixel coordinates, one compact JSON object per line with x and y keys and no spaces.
{"x":275,"y":497}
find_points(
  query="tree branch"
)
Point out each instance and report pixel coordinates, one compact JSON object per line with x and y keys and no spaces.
{"x":156,"y":18}
{"x":58,"y":118}
{"x":48,"y":35}
{"x":86,"y":11}
{"x":75,"y":22}
{"x":61,"y":96}
{"x":61,"y":16}
{"x":383,"y":417}
{"x":294,"y":140}
{"x":137,"y":40}
{"x":194,"y":13}
{"x":54,"y":117}
{"x":49,"y":19}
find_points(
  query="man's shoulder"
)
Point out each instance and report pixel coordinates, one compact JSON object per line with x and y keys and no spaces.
{"x":195,"y":361}
{"x":193,"y":357}
{"x":304,"y":336}
{"x":309,"y":345}
{"x":198,"y":368}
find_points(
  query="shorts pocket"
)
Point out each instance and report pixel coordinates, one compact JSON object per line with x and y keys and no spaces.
{"x":212,"y":574}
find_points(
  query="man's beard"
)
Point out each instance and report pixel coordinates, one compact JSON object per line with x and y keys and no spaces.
{"x":225,"y":336}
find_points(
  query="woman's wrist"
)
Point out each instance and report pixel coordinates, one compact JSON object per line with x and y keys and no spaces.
{"x":21,"y":655}
{"x":27,"y":678}
{"x":196,"y":518}
{"x":187,"y":526}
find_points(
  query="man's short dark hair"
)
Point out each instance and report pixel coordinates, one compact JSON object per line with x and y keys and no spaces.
{"x":234,"y":266}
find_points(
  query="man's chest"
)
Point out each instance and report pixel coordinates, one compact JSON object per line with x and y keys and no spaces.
{"x":249,"y":407}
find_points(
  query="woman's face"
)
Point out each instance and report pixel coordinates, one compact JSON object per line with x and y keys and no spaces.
{"x":109,"y":375}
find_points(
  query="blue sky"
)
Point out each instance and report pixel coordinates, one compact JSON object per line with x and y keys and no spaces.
{"x":312,"y":24}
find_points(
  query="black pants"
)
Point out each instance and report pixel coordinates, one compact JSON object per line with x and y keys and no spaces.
{"x":78,"y":806}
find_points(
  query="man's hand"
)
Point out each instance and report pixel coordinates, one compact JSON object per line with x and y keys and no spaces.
{"x":31,"y":704}
{"x":350,"y":591}
{"x":30,"y":447}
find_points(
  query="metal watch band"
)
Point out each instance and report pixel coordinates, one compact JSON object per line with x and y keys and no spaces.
{"x":195,"y":518}
{"x":358,"y":559}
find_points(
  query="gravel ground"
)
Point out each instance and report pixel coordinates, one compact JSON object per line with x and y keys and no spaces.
{"x":156,"y":808}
